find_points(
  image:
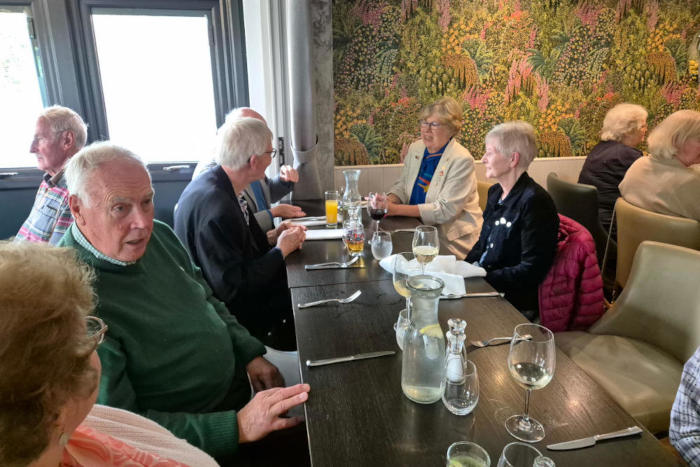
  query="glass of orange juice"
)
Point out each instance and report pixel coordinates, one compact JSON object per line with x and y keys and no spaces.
{"x":331,"y":209}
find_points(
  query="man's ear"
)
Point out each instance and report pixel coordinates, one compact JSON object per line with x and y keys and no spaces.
{"x":67,"y":140}
{"x":76,"y":207}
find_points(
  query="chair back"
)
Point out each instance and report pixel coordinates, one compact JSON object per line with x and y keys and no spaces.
{"x":661,"y":303}
{"x":580,"y":203}
{"x":634,"y":225}
{"x":483,"y":189}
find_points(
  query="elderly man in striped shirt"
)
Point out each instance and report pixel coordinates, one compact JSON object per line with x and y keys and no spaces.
{"x":59,"y":134}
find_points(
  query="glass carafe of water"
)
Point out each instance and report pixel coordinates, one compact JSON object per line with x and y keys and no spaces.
{"x":423,"y":364}
{"x":350,"y":203}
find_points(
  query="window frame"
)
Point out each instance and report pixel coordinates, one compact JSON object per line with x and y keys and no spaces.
{"x":67,"y":52}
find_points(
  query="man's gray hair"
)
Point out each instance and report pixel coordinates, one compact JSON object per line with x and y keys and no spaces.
{"x":239,"y":139}
{"x":517,"y":136}
{"x":622,"y":120}
{"x":81,"y":166}
{"x":672,"y":133}
{"x":64,"y":119}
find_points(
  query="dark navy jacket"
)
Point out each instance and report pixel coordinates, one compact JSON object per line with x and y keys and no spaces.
{"x":519,"y":239}
{"x":604,"y":168}
{"x":245,"y":272}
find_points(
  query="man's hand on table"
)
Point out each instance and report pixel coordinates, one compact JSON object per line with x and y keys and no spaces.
{"x":262,"y":414}
{"x":290,"y":238}
{"x":287,"y":211}
{"x":263,"y":374}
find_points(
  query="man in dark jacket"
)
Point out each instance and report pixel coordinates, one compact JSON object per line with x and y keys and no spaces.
{"x":244,"y":265}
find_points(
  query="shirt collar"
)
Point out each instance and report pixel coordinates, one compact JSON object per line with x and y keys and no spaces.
{"x":53,"y":180}
{"x":82,"y":241}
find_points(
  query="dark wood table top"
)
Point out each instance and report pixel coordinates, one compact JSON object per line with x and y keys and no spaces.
{"x":357,"y":414}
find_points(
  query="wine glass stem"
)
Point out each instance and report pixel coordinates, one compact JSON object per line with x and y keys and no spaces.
{"x":527,"y":405}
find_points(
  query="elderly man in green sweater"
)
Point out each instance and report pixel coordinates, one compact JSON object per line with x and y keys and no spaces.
{"x":173,"y":352}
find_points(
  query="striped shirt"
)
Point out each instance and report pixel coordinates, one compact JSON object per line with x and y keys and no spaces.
{"x":685,"y":415}
{"x":50,"y":216}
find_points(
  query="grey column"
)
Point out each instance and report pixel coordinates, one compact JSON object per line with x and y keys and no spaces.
{"x":301,"y":98}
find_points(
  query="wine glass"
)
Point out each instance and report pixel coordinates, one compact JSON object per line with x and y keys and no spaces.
{"x":531,"y":362}
{"x":404,"y":267}
{"x":377,"y":207}
{"x":426,"y":245}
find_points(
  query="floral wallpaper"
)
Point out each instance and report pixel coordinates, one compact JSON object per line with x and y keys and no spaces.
{"x":558,"y":64}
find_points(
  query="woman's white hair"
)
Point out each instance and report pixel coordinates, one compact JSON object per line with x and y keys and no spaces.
{"x":622,"y":120}
{"x":81,"y":166}
{"x":239,"y":139}
{"x":62,"y":119}
{"x":517,"y":136}
{"x":672,"y":133}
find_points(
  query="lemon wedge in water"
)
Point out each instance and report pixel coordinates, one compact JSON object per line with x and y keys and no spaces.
{"x":432,"y":330}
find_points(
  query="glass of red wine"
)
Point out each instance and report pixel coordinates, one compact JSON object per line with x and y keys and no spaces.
{"x":377,"y":207}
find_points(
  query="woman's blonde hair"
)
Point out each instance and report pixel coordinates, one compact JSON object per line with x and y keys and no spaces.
{"x":622,"y":120}
{"x":448,"y":111}
{"x":45,"y":295}
{"x":672,"y":133}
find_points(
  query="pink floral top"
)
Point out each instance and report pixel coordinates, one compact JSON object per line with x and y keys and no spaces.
{"x":89,"y":448}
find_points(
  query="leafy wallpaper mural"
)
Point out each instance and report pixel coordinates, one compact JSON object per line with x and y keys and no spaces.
{"x":559,"y":64}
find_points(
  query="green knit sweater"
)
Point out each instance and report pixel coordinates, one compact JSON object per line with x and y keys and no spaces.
{"x":173,"y":352}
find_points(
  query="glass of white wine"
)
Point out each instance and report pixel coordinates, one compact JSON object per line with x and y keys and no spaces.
{"x":404,"y":267}
{"x":426,"y":245}
{"x":531,"y":361}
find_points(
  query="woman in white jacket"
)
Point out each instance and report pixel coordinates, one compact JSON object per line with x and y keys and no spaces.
{"x":438,"y":183}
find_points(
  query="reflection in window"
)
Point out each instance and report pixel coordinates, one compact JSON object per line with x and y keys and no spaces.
{"x":20,"y":91}
{"x":156,"y":76}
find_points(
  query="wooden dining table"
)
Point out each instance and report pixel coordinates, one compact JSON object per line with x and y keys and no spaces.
{"x":357,"y":415}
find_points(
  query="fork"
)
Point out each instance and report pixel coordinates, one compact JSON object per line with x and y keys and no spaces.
{"x":333,"y":264}
{"x":330,"y":300}
{"x":493,"y":341}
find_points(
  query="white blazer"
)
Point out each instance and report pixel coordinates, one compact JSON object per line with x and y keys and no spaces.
{"x":452,"y":201}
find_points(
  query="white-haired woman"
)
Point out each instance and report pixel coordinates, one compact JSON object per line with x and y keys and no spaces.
{"x":668,"y":182}
{"x":437,"y":183}
{"x":624,"y":128}
{"x":519,"y":238}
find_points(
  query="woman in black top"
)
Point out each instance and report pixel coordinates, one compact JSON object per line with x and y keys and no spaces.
{"x":518,"y":240}
{"x":624,"y":128}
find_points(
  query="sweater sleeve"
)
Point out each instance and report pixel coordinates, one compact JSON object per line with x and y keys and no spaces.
{"x":278,"y":188}
{"x":460,"y":182}
{"x":215,"y":433}
{"x":538,"y":239}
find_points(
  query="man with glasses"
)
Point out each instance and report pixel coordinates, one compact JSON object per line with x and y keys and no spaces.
{"x":242,"y":264}
{"x":260,"y":194}
{"x":59,"y":134}
{"x":173,"y":353}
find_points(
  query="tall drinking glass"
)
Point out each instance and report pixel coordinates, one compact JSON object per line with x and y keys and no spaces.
{"x":381,"y":245}
{"x":467,"y":454}
{"x":404,"y":267}
{"x":354,"y":237}
{"x":426,"y":245}
{"x":377,"y":207}
{"x":531,"y":362}
{"x":331,"y":209}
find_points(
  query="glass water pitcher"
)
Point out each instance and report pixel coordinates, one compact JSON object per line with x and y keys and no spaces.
{"x":350,"y":202}
{"x":423,"y":364}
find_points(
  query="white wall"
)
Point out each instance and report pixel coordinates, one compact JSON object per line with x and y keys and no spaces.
{"x":381,"y":177}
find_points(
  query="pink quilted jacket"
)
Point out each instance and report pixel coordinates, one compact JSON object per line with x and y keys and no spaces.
{"x":571,"y":296}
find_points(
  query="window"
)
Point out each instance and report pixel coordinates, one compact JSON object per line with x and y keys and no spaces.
{"x":156,"y":81}
{"x":20,"y":86}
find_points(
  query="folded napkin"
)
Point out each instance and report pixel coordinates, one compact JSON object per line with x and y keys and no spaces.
{"x":324,"y":234}
{"x":307,"y":223}
{"x":442,"y":263}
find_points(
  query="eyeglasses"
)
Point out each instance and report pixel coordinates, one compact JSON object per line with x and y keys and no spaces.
{"x":272,"y":153}
{"x":431,"y":125}
{"x":96,"y":328}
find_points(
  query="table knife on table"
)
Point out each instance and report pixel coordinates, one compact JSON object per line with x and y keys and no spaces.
{"x":591,"y":440}
{"x":360,"y":356}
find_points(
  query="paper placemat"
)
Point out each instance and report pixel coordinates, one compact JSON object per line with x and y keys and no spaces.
{"x":324,"y":234}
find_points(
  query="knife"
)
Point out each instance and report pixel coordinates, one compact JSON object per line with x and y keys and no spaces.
{"x":472,"y":295}
{"x":586,"y":442}
{"x":360,"y":356}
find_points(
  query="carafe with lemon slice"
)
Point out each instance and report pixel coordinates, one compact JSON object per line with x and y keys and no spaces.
{"x":423,"y":364}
